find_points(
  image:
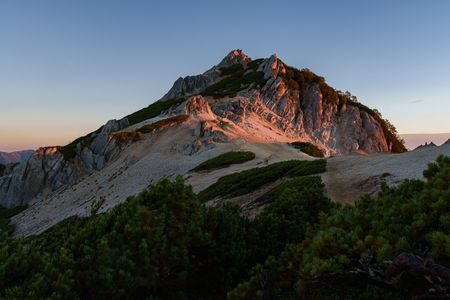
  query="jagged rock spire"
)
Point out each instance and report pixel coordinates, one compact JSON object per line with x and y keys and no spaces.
{"x":234,"y":57}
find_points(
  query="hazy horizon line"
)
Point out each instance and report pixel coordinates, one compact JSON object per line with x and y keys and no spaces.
{"x":17,"y":149}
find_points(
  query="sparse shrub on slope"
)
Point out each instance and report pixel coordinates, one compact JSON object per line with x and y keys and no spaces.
{"x":308,"y":148}
{"x":225,"y":160}
{"x":236,"y":78}
{"x":2,"y":170}
{"x":153,"y":110}
{"x":124,"y":137}
{"x":246,"y":181}
{"x":5,"y":215}
{"x":69,"y":150}
{"x":134,"y":135}
{"x":162,"y":123}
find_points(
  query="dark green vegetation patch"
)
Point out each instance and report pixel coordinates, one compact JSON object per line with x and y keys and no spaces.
{"x":134,"y":135}
{"x":307,"y":181}
{"x":69,"y":150}
{"x":225,"y":160}
{"x":163,"y":123}
{"x":124,"y":137}
{"x":236,"y":78}
{"x":161,"y":244}
{"x":249,"y":180}
{"x":2,"y":169}
{"x":308,"y":148}
{"x":5,"y":215}
{"x":153,"y":110}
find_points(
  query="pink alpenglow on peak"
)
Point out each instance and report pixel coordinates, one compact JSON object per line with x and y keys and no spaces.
{"x":236,"y":56}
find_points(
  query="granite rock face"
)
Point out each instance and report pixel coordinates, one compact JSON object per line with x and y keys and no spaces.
{"x":191,"y":85}
{"x":48,"y":169}
{"x":304,"y":114}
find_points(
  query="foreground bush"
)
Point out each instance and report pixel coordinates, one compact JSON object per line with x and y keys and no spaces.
{"x":161,"y":244}
{"x":334,"y":260}
{"x":166,"y":244}
{"x":5,"y":215}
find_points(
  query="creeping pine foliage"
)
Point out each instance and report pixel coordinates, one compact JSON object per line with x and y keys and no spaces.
{"x":413,"y":217}
{"x":225,"y":160}
{"x":161,"y":244}
{"x":2,"y":169}
{"x":164,"y":243}
{"x":247,"y":181}
{"x":308,"y":148}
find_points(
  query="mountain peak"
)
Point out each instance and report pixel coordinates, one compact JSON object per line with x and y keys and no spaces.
{"x":235,"y":56}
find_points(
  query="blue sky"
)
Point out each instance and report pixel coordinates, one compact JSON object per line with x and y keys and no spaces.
{"x":66,"y":67}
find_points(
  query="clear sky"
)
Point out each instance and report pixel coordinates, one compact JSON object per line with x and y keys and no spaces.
{"x":66,"y":67}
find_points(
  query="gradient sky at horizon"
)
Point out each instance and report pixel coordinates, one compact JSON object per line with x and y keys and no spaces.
{"x":66,"y":67}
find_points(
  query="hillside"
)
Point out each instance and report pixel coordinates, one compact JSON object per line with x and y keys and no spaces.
{"x":253,"y":180}
{"x":240,"y":100}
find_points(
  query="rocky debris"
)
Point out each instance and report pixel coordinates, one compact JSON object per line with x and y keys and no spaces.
{"x":197,"y":105}
{"x":206,"y":134}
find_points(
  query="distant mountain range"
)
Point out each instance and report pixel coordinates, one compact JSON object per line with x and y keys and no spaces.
{"x":15,"y":157}
{"x":414,"y":140}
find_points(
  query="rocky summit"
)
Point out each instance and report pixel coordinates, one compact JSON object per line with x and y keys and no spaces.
{"x":239,"y":101}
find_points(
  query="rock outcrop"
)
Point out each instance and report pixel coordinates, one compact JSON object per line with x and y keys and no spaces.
{"x":191,"y":85}
{"x":49,"y":169}
{"x":15,"y":157}
{"x":236,"y":56}
{"x":307,"y":113}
